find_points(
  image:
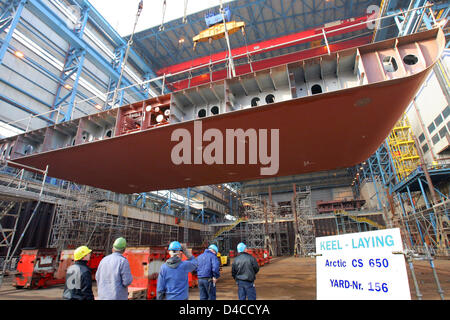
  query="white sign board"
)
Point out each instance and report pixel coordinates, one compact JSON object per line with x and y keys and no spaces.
{"x":358,"y":266}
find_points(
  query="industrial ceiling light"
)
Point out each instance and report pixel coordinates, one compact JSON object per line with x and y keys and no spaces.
{"x":99,"y":107}
{"x":19,"y":54}
{"x":68,"y":86}
{"x":181,"y":41}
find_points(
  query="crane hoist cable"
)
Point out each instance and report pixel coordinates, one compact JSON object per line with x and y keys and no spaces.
{"x":185,"y":11}
{"x":220,"y":28}
{"x":161,"y":27}
{"x":130,"y":42}
{"x":231,"y":69}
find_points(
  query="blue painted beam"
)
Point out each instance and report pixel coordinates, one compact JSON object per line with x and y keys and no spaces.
{"x":24,"y":108}
{"x":12,"y":27}
{"x":73,"y":94}
{"x":412,"y":18}
{"x":104,"y":26}
{"x":73,"y":65}
{"x":24,"y":92}
{"x":59,"y":27}
{"x":97,"y":19}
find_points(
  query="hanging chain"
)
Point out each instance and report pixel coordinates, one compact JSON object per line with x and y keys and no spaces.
{"x":185,"y":11}
{"x":161,"y":27}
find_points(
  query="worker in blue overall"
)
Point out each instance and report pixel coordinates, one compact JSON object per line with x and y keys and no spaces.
{"x":208,"y":271}
{"x":173,"y":278}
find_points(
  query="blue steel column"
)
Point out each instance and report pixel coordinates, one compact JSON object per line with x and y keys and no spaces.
{"x":146,"y":85}
{"x":119,"y":54}
{"x":12,"y":27}
{"x":400,"y":200}
{"x":380,"y":206}
{"x":411,"y":18}
{"x":414,"y":211}
{"x":73,"y":65}
{"x":425,"y":198}
{"x":59,"y":26}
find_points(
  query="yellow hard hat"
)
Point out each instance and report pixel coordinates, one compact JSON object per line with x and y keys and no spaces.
{"x":81,"y":252}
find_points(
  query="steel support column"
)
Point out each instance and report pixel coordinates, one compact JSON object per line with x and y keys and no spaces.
{"x":119,"y":53}
{"x":10,"y":22}
{"x":73,"y":66}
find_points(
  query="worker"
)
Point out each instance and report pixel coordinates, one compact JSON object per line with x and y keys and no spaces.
{"x":113,"y":274}
{"x":78,"y":284}
{"x":243,"y":270}
{"x":208,"y":271}
{"x":173,"y":282}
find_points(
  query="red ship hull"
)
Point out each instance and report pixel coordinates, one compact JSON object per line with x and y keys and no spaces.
{"x":317,"y":133}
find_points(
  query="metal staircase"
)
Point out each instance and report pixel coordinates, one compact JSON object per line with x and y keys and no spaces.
{"x":347,"y":228}
{"x":229,"y":227}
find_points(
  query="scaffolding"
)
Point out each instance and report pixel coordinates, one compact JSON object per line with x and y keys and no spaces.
{"x":281,"y":236}
{"x":83,"y":219}
{"x":12,"y":195}
{"x":305,"y":237}
{"x":428,"y":229}
{"x":254,"y":227}
{"x":402,"y":148}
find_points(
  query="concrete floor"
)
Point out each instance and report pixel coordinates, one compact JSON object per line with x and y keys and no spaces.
{"x":285,"y":278}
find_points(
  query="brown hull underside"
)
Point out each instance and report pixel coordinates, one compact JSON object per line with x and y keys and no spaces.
{"x":317,"y":133}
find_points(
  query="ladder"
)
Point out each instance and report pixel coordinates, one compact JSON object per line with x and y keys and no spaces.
{"x":170,"y":234}
{"x":8,"y":234}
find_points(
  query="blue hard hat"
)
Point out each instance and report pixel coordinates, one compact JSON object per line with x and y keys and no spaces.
{"x":214,"y":247}
{"x":241,"y":247}
{"x":175,"y":246}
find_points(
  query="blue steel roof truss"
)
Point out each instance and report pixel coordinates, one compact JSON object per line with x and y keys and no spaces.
{"x":264,"y":20}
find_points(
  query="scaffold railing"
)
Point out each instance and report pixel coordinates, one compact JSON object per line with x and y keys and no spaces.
{"x":428,"y":229}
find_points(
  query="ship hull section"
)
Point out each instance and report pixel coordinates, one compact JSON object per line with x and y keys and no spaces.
{"x":321,"y":132}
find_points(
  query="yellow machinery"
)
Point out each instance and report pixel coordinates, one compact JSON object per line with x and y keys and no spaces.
{"x":402,"y":148}
{"x":218,"y":31}
{"x":224,"y":261}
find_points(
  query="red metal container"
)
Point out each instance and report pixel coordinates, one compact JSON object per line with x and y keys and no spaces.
{"x":258,"y":254}
{"x":262,"y":261}
{"x":145,"y":263}
{"x":36,"y":269}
